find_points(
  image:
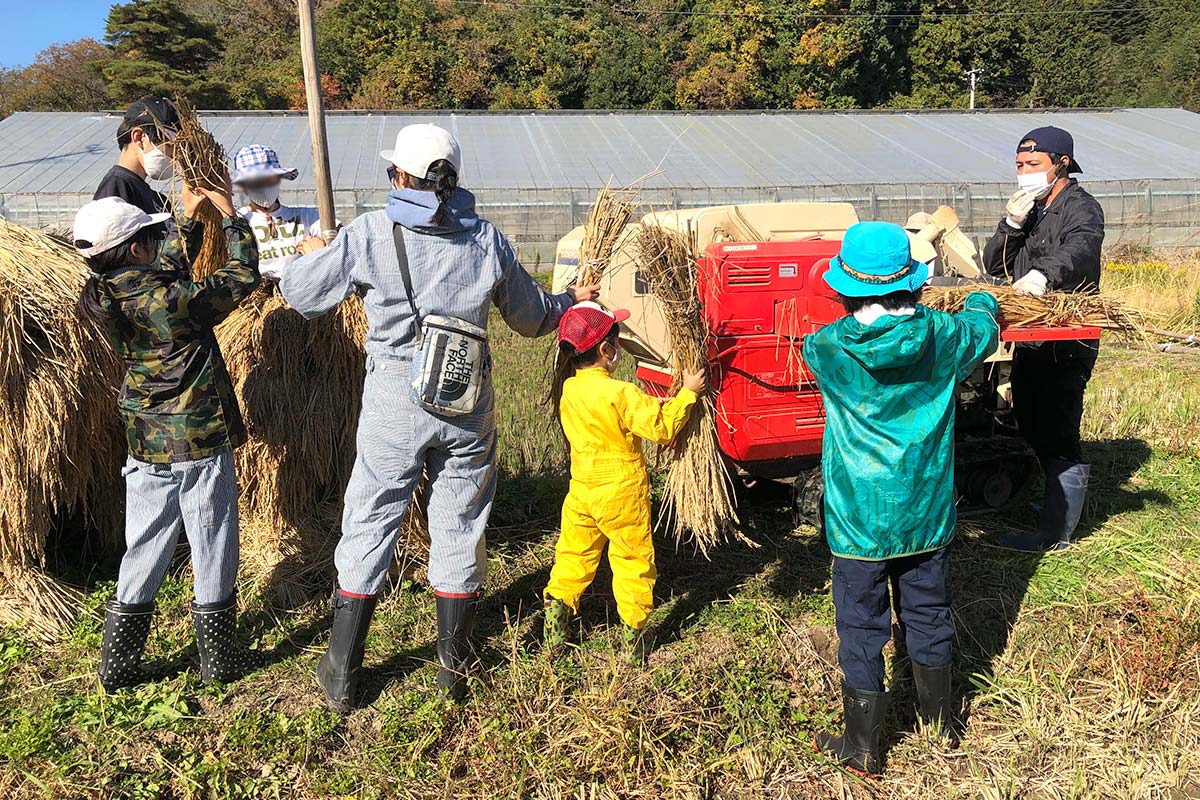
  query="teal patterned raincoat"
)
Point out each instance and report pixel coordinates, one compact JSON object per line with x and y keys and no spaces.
{"x":889,"y":392}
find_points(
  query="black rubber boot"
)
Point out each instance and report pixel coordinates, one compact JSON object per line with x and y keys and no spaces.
{"x":1061,"y":510}
{"x":1073,"y":483}
{"x":339,"y":668}
{"x":934,"y":700}
{"x":126,"y":628}
{"x":222,"y":659}
{"x":859,"y":748}
{"x":456,"y":622}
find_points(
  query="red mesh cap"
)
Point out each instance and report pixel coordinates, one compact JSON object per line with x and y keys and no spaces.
{"x":586,"y":324}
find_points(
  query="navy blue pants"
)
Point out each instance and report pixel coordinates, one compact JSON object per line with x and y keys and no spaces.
{"x":861,"y":599}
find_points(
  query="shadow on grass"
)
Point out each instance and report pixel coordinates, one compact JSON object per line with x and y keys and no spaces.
{"x":526,"y":507}
{"x":798,"y":563}
{"x":688,"y":584}
{"x":989,"y":585}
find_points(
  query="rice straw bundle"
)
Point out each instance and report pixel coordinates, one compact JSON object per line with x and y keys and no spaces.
{"x":699,"y":492}
{"x":609,"y":216}
{"x":61,"y":441}
{"x":214,"y":251}
{"x":299,"y":385}
{"x":200,"y":163}
{"x":198,"y":156}
{"x":1052,"y":310}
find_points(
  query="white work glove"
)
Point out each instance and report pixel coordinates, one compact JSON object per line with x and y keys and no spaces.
{"x":1033,"y":282}
{"x":1018,"y":208}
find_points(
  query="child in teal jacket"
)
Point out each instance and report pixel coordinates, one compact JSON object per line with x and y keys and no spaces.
{"x":887,"y":373}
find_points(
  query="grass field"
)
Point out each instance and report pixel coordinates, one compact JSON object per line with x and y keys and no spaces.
{"x":1080,"y":672}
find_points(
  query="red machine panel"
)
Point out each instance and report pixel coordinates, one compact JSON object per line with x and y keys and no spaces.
{"x":760,"y":299}
{"x":754,"y":288}
{"x":1048,"y":334}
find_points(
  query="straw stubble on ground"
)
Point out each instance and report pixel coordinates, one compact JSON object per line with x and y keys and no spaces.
{"x":1080,"y":671}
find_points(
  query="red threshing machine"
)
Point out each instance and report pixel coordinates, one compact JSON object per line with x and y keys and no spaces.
{"x":760,"y":284}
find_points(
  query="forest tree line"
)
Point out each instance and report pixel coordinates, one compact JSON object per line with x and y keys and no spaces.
{"x":636,"y":54}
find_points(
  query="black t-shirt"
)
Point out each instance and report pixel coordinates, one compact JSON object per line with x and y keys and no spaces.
{"x":132,"y":188}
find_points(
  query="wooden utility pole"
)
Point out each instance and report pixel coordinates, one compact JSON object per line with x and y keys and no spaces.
{"x":316,"y":120}
{"x":973,"y":74}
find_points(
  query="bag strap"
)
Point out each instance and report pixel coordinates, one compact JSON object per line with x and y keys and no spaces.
{"x":402,"y":259}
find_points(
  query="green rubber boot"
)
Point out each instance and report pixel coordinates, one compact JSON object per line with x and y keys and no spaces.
{"x":557,"y":625}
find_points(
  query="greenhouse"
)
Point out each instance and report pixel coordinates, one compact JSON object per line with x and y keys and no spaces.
{"x":536,"y":173}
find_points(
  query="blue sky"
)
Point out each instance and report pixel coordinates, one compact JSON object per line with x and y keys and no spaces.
{"x":30,"y":26}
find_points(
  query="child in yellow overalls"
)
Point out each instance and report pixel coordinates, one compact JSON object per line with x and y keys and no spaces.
{"x":605,"y":421}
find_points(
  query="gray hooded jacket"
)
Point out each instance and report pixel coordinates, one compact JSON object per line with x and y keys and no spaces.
{"x":459,"y":269}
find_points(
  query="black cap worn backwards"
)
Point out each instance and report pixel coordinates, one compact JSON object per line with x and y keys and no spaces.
{"x":149,"y":112}
{"x":1050,"y":140}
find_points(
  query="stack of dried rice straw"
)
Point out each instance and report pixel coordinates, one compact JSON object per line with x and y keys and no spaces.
{"x":61,"y":442}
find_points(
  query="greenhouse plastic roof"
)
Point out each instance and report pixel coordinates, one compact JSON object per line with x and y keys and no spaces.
{"x":64,"y":153}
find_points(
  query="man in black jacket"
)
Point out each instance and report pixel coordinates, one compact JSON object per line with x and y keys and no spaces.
{"x":143,"y":137}
{"x":1050,"y":240}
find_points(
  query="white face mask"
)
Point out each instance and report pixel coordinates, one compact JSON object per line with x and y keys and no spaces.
{"x":1035,"y":183}
{"x":158,"y":167}
{"x":615,"y":357}
{"x":262,"y":196}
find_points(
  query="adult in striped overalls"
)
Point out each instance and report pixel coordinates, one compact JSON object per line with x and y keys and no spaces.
{"x":459,"y":267}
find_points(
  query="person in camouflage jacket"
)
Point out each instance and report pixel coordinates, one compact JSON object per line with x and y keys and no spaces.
{"x":178,"y":399}
{"x":181,"y":416}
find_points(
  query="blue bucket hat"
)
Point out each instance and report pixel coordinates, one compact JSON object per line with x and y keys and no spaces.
{"x":875,"y":259}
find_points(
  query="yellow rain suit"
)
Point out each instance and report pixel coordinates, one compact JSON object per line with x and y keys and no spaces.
{"x":605,"y":421}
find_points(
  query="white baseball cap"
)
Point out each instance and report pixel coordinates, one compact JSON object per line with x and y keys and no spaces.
{"x":418,"y":146}
{"x":105,"y":223}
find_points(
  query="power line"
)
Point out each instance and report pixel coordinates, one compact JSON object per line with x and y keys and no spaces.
{"x":850,"y":15}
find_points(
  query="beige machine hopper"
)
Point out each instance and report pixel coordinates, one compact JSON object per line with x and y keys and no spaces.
{"x":645,"y":333}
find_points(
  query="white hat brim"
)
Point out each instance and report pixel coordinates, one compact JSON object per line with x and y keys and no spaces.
{"x":151,"y":219}
{"x":265,"y":172}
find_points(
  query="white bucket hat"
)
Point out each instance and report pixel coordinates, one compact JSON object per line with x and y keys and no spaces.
{"x":105,"y":223}
{"x":418,"y":146}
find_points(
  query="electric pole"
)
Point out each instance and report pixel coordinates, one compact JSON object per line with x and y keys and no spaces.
{"x":316,"y":120}
{"x":973,"y":74}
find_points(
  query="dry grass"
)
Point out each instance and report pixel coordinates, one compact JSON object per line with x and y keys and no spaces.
{"x":1167,"y":283}
{"x":1151,"y":399}
{"x":1078,"y":672}
{"x":1052,"y":310}
{"x":606,"y":221}
{"x":60,"y":439}
{"x":699,"y":493}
